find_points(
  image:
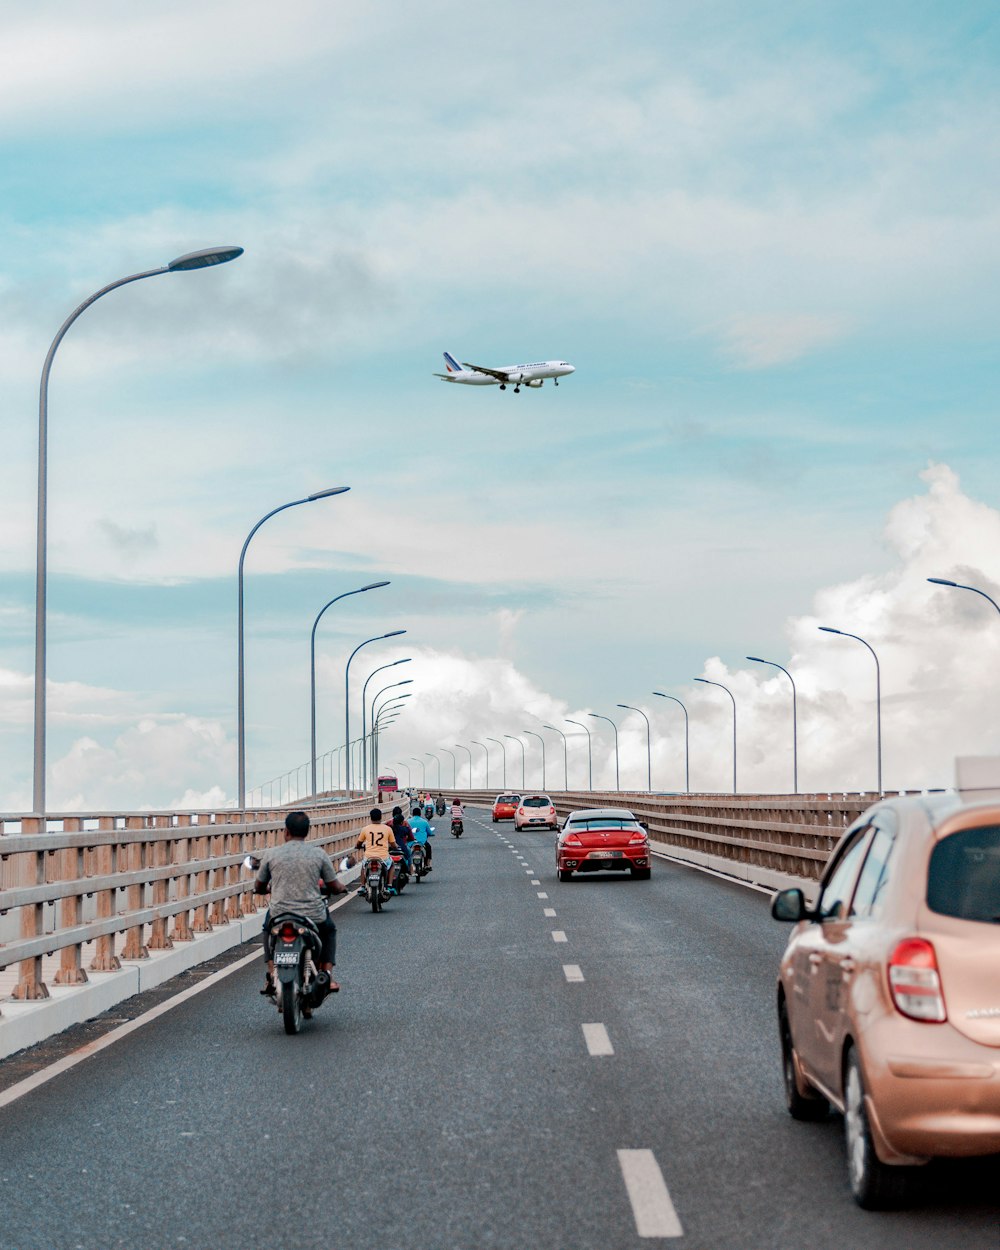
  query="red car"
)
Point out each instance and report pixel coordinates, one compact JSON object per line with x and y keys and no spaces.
{"x":504,"y":806}
{"x":603,"y":839}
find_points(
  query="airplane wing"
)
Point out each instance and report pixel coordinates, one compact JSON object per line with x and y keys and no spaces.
{"x":493,"y":373}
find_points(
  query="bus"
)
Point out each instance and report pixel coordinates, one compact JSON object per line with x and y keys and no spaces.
{"x":388,"y":786}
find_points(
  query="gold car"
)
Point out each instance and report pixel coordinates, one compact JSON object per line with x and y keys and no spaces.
{"x":889,"y":990}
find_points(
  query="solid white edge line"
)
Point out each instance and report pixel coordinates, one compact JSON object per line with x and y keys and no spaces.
{"x":647,"y":1191}
{"x":14,"y":1092}
{"x":597,"y":1039}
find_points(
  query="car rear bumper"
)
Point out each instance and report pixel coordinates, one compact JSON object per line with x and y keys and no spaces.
{"x":939,"y":1099}
{"x":589,"y":861}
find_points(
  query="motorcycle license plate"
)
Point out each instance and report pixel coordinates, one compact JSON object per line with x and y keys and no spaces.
{"x":605,"y":855}
{"x":286,"y":957}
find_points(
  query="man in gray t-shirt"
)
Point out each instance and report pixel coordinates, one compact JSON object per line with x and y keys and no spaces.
{"x":292,"y":873}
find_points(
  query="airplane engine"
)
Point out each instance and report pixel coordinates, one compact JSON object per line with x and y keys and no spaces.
{"x":536,"y":382}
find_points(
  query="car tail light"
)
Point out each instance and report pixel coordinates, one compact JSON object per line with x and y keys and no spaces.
{"x":288,"y":933}
{"x":914,"y":981}
{"x":637,"y":839}
{"x":572,"y":840}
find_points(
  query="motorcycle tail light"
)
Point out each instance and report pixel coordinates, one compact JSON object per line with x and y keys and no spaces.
{"x":914,"y":982}
{"x":288,"y":933}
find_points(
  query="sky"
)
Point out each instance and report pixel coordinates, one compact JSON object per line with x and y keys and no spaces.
{"x":765,"y":235}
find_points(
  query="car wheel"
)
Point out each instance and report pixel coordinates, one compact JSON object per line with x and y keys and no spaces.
{"x":875,"y":1185}
{"x":564,"y":874}
{"x":800,"y":1106}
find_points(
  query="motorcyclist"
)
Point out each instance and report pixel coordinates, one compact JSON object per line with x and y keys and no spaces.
{"x":403,"y":835}
{"x":422,"y":833}
{"x":457,"y":811}
{"x":295,"y":874}
{"x":375,"y":841}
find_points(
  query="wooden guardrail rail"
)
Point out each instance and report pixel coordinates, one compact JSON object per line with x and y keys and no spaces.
{"x":789,"y":834}
{"x":110,"y":876}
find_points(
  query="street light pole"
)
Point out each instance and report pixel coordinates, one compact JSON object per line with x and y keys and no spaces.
{"x":347,"y":691}
{"x":454,"y":767}
{"x":943,"y":581}
{"x":400,"y":764}
{"x":565,"y":754}
{"x":827,"y":629}
{"x":392,"y":686}
{"x":687,"y":743}
{"x":531,"y":733}
{"x":469,"y":754}
{"x":706,"y":682}
{"x":615,"y":728}
{"x":431,"y":756}
{"x":795,"y":718}
{"x":193,"y":260}
{"x":590,"y":751}
{"x":521,"y":745}
{"x":364,"y":705}
{"x":423,"y":771}
{"x":504,"y":750}
{"x":240,"y":680}
{"x":649,"y":743}
{"x":486,"y":752}
{"x":312,"y":669}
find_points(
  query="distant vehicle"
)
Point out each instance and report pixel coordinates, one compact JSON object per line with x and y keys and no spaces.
{"x":889,"y":990}
{"x":535,"y":810}
{"x":532,"y":375}
{"x":602,"y":839}
{"x":504,"y":806}
{"x":388,"y":785}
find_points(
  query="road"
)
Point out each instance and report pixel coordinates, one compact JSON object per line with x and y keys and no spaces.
{"x":448,"y":1098}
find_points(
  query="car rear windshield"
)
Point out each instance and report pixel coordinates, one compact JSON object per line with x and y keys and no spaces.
{"x":963,"y":879}
{"x":537,"y":800}
{"x":596,"y":823}
{"x":507,"y":798}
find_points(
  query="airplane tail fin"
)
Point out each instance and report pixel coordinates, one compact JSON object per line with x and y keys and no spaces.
{"x":451,"y":363}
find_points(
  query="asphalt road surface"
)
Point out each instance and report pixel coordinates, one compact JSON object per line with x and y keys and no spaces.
{"x":459,"y":1094}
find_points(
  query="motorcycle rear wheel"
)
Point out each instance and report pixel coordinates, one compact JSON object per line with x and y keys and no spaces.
{"x":291,"y":1006}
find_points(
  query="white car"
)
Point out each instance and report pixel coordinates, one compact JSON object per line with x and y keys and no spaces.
{"x":535,"y":811}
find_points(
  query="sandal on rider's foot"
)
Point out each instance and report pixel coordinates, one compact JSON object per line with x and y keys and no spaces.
{"x":269,"y":990}
{"x":334,"y":987}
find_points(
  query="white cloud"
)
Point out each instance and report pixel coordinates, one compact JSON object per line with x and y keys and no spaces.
{"x":760,"y":341}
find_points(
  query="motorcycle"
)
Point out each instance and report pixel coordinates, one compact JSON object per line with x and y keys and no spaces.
{"x":417,"y":862}
{"x":374,"y":883}
{"x":428,"y":810}
{"x":457,"y":826}
{"x":402,"y":878}
{"x":439,"y":807}
{"x":300,"y":986}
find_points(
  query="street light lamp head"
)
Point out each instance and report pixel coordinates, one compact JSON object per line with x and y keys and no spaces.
{"x":394,"y":633}
{"x":202,"y":259}
{"x":943,"y":581}
{"x":757,"y":660}
{"x":375,"y":586}
{"x":323,"y":494}
{"x":828,"y":629}
{"x":408,"y":660}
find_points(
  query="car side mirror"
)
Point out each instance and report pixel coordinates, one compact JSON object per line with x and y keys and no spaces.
{"x":789,"y":905}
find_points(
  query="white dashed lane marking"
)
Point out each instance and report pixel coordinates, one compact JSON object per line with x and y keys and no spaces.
{"x":596,"y":1037}
{"x":647,"y":1190}
{"x":558,"y":935}
{"x":534,"y":882}
{"x":541,"y":893}
{"x":550,"y":911}
{"x":572,"y":972}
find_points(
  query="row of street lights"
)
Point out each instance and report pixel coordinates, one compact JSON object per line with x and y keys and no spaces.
{"x":202,"y":259}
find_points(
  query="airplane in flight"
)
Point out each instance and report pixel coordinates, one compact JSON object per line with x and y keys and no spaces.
{"x":532,"y":375}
